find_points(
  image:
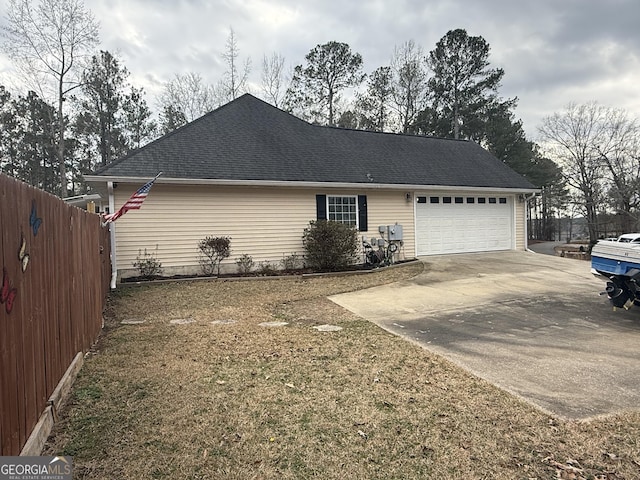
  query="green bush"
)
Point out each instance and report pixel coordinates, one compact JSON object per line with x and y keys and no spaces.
{"x":212,"y":251}
{"x":330,"y":246}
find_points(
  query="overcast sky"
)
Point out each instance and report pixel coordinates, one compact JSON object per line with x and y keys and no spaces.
{"x":552,"y":51}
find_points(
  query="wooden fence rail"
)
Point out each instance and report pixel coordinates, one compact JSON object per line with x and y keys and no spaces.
{"x":55,"y":277}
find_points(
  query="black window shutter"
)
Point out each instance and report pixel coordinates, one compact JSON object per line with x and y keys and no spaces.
{"x":321,"y":207}
{"x":362,"y":213}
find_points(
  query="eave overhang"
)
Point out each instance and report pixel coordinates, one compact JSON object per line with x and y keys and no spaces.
{"x":103,"y":179}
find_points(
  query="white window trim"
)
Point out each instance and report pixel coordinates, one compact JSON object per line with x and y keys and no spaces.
{"x":355,"y":197}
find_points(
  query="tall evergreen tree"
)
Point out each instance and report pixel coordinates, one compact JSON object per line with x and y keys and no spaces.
{"x":28,"y":140}
{"x":36,"y":159}
{"x":101,"y":107}
{"x":463,"y":89}
{"x":316,"y":88}
{"x":171,"y":117}
{"x":8,"y":134}
{"x":138,"y":126}
{"x":374,"y":105}
{"x":505,"y":138}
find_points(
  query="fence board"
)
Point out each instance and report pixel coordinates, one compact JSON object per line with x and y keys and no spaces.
{"x":5,"y":427}
{"x":21,"y":319}
{"x":59,"y":299}
{"x":3,"y":332}
{"x":10,"y":385}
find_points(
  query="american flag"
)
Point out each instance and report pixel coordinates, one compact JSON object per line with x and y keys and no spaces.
{"x":134,"y":202}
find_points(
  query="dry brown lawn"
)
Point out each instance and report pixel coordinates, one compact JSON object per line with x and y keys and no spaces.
{"x":235,"y":400}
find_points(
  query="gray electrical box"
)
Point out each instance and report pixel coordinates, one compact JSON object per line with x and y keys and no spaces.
{"x":394,"y":232}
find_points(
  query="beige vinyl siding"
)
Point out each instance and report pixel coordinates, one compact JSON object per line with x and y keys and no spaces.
{"x":520,"y":208}
{"x":388,"y":208}
{"x":266,"y":223}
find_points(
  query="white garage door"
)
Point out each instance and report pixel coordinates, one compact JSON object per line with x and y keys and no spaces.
{"x":463,"y":224}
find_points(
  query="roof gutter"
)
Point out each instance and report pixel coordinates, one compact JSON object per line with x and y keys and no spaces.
{"x":302,"y":184}
{"x":82,"y":199}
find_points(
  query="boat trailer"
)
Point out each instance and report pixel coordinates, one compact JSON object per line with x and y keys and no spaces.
{"x":618,"y":264}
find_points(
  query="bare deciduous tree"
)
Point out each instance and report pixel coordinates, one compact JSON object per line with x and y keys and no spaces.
{"x":594,"y":145}
{"x":51,"y":40}
{"x":188,"y":97}
{"x":234,"y":82}
{"x":273,"y":79}
{"x":621,"y":157}
{"x":409,"y":83}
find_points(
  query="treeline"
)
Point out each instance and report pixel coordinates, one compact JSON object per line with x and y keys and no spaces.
{"x":86,"y":113}
{"x":105,"y":118}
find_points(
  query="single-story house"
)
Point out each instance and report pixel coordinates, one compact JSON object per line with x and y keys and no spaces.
{"x":257,"y":174}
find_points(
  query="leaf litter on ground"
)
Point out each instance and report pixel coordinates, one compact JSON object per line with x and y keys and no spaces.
{"x":235,"y":400}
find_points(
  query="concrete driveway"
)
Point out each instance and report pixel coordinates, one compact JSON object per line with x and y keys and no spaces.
{"x":532,"y":324}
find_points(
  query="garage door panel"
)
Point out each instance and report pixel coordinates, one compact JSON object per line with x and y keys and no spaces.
{"x":463,"y":228}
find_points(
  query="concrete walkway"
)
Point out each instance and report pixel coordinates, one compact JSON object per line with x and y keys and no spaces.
{"x":531,"y":324}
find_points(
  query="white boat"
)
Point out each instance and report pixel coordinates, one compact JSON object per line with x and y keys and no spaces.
{"x":618,"y":263}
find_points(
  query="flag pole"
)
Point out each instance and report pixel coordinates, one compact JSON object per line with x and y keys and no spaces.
{"x":134,"y":202}
{"x":112,"y":233}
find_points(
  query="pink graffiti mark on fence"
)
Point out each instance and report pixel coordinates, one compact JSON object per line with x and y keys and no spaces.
{"x":7,"y":294}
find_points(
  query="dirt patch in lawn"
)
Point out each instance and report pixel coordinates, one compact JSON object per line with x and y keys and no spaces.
{"x":221,"y":396}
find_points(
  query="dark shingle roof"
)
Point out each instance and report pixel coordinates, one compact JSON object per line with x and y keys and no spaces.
{"x":248,"y":139}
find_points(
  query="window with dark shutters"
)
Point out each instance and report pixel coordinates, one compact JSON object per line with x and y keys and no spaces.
{"x":321,"y":207}
{"x":362,"y":213}
{"x":340,"y":209}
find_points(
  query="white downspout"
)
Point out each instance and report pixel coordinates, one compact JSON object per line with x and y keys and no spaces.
{"x":526,"y":222}
{"x":112,"y":234}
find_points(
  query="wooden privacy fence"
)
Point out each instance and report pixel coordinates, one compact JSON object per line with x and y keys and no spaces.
{"x":55,"y":277}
